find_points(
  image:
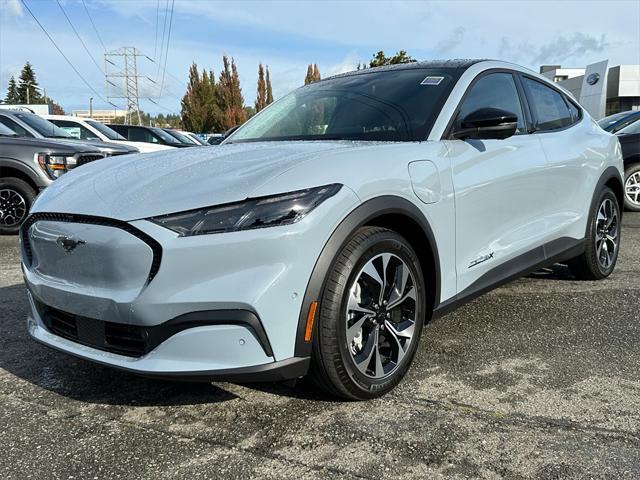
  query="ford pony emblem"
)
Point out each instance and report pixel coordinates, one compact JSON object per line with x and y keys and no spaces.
{"x":69,"y":244}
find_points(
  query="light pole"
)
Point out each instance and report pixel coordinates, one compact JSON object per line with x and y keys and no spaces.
{"x":90,"y":107}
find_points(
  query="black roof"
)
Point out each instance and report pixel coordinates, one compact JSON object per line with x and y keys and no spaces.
{"x":458,"y":64}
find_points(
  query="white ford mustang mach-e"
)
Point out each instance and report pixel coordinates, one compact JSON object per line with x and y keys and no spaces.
{"x":323,"y":233}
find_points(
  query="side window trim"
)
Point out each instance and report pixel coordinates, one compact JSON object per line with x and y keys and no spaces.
{"x":450,"y":125}
{"x":562,"y":95}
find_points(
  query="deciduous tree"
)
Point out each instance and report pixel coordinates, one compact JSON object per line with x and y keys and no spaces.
{"x":229,"y":98}
{"x":269,"y":90}
{"x":261,"y":97}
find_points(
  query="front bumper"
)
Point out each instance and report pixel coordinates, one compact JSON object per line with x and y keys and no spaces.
{"x":107,"y":279}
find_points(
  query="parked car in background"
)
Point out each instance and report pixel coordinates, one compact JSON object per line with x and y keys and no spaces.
{"x":27,"y":165}
{"x":140,"y":133}
{"x":322,"y":235}
{"x":181,"y":137}
{"x":215,"y":139}
{"x":617,"y":121}
{"x":195,"y":138}
{"x":88,"y":129}
{"x":30,"y":125}
{"x":629,"y":137}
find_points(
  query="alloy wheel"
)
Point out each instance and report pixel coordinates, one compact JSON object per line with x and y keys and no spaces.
{"x":13,"y":208}
{"x":381,"y":315}
{"x":632,"y":188}
{"x":606,"y":233}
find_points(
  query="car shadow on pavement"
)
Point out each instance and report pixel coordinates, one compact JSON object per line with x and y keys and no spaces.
{"x":78,"y":379}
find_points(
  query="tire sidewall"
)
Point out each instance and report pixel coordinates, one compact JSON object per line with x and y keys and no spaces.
{"x":25,"y":191}
{"x":380,"y":243}
{"x":606,"y":193}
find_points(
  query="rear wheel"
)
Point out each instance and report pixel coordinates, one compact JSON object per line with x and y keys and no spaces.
{"x":632,"y":188}
{"x":371,"y":316}
{"x":16,"y":197}
{"x":602,"y":241}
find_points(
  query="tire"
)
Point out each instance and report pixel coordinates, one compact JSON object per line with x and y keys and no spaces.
{"x":602,"y":242}
{"x":632,"y":187}
{"x":16,"y":197}
{"x":350,"y":369}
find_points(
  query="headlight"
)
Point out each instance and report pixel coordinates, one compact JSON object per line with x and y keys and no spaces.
{"x":252,"y":213}
{"x":54,"y":165}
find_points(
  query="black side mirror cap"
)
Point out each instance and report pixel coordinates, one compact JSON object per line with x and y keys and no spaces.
{"x":487,"y":123}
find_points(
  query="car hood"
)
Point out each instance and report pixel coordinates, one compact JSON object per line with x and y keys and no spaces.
{"x":61,"y":146}
{"x":141,"y":186}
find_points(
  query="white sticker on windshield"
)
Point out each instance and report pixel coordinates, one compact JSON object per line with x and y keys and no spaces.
{"x":432,"y":81}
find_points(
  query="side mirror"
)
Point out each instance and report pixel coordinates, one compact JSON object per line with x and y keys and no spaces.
{"x":487,"y":123}
{"x":230,"y":131}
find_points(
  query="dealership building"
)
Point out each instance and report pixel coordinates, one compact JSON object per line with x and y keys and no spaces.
{"x":619,"y":86}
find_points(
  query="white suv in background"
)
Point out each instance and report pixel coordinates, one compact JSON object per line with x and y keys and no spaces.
{"x":86,"y":129}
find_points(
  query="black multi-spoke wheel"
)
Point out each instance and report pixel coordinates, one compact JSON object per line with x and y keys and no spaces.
{"x":632,"y":187}
{"x":15,"y":200}
{"x":602,"y":241}
{"x":371,"y":316}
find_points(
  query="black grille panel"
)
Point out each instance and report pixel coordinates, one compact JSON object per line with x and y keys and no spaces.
{"x":91,"y":220}
{"x":128,"y":340}
{"x":83,"y":159}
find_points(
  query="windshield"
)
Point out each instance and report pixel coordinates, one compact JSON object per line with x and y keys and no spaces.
{"x":393,"y":105}
{"x":631,"y":128}
{"x":106,"y":131}
{"x":611,"y":119}
{"x":42,"y":126}
{"x":181,"y":137}
{"x":164,"y":135}
{"x":6,"y":131}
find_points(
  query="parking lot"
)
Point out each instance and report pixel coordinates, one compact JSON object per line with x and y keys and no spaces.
{"x":538,"y":379}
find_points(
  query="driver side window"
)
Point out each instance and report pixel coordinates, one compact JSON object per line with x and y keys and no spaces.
{"x":496,"y":90}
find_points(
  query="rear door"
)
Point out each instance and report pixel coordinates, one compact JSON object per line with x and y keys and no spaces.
{"x":500,"y":194}
{"x":568,"y":147}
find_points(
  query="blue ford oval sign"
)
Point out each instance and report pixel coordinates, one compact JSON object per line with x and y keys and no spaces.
{"x":593,"y":78}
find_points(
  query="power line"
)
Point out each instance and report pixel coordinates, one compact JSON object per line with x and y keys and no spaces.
{"x":166,"y":51}
{"x":164,"y":29}
{"x":94,"y":25}
{"x":65,"y":57}
{"x":155,"y":46}
{"x":78,"y":36}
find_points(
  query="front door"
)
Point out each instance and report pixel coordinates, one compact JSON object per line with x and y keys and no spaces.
{"x":499,"y":190}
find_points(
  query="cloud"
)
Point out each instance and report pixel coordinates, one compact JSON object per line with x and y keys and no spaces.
{"x":575,"y":47}
{"x":12,"y":7}
{"x":451,"y":42}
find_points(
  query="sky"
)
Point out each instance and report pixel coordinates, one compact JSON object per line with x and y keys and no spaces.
{"x":288,"y":35}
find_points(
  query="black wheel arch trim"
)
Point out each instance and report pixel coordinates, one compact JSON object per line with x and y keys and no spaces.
{"x":360,"y":216}
{"x":610,"y":173}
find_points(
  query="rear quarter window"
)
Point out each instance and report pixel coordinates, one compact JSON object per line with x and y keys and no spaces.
{"x":549,"y":108}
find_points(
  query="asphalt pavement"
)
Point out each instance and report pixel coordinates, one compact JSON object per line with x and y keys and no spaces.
{"x":538,"y":379}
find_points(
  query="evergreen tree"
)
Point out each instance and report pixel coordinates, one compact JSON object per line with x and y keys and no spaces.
{"x":261,"y":97}
{"x":28,"y":89}
{"x":316,"y":73}
{"x":379,"y":59}
{"x":309,"y":77}
{"x":12,"y":97}
{"x":199,"y":107}
{"x":269,"y":90}
{"x":229,"y":98}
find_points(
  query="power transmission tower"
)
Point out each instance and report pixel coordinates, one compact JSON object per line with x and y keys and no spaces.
{"x":121,"y":72}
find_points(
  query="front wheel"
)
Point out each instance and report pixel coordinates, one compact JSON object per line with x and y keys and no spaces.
{"x":632,"y":187}
{"x":371,"y":315}
{"x":16,"y":197}
{"x":602,"y":242}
